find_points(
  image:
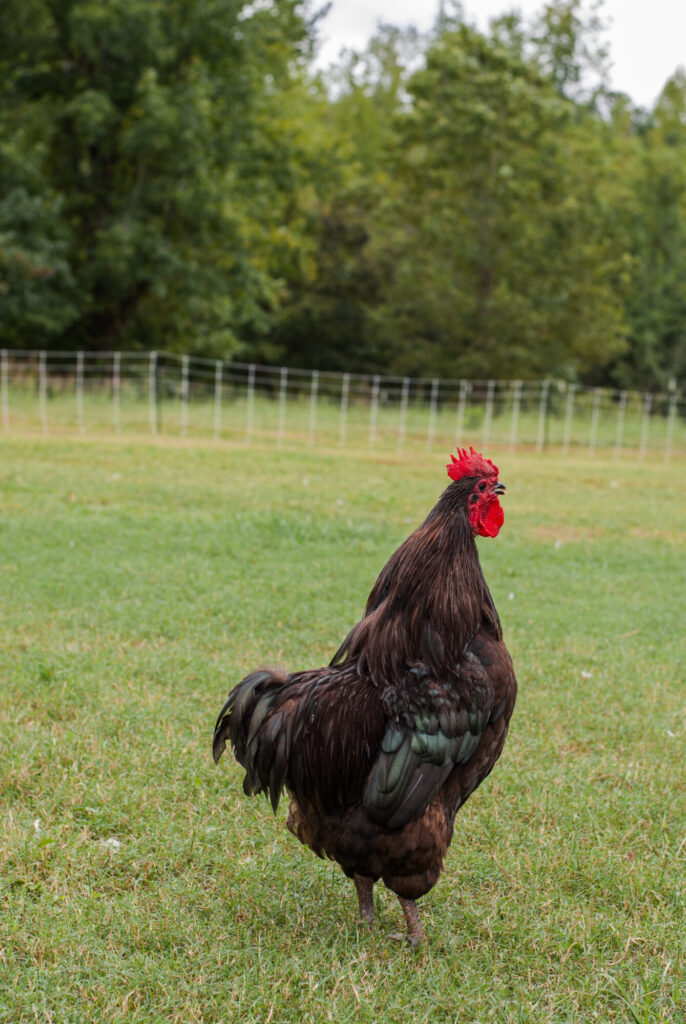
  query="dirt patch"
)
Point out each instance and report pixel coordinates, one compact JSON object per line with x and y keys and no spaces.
{"x":670,"y":536}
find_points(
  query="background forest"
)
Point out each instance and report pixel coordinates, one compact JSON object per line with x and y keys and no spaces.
{"x":177,"y":175}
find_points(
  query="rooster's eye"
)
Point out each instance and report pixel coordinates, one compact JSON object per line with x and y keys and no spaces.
{"x":482,"y":485}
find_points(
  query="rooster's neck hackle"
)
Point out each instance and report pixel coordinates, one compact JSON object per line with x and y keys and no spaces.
{"x":429,"y":600}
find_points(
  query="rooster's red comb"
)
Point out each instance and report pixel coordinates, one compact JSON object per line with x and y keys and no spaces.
{"x":470,"y":463}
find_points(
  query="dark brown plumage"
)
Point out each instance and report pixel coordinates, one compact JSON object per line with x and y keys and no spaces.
{"x":379,"y":750}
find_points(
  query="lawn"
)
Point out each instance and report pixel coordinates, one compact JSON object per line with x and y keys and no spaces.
{"x":138,"y":884}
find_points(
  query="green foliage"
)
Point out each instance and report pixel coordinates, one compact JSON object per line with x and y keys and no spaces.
{"x":656,"y":299}
{"x":470,"y":203}
{"x":570,"y":50}
{"x":148,"y":112}
{"x":328,"y":319}
{"x":38,"y":296}
{"x":498,"y":220}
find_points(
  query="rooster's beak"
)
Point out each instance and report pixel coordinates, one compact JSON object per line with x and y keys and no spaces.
{"x":499,"y":488}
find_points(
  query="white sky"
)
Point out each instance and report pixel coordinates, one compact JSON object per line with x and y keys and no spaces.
{"x":647,"y":37}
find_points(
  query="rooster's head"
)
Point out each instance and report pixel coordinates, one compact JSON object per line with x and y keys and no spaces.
{"x":484,"y":510}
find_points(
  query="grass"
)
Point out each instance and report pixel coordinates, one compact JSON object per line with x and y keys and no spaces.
{"x":137,"y":884}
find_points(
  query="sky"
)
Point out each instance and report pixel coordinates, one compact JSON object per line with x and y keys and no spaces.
{"x":647,"y":39}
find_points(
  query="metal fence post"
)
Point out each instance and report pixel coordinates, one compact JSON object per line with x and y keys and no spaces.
{"x":374,"y":411}
{"x":343,"y":422}
{"x":283,"y":391}
{"x":488,"y":413}
{"x":250,"y":404}
{"x":569,"y":413}
{"x":516,"y":403}
{"x":671,"y":420}
{"x":433,"y":407}
{"x":402,"y":425}
{"x":542,"y":408}
{"x":152,"y":392}
{"x":79,"y":391}
{"x":116,"y":391}
{"x":43,"y":390}
{"x":313,"y":407}
{"x":184,"y":395}
{"x":645,"y":425}
{"x":619,"y":432}
{"x":217,"y":427}
{"x":595,"y":411}
{"x":4,"y":389}
{"x":461,"y":406}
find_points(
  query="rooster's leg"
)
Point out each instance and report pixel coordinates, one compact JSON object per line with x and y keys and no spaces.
{"x":415,"y":932}
{"x":365,"y":897}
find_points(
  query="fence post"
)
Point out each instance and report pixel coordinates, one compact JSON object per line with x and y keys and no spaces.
{"x":488,"y":413}
{"x":402,"y":426}
{"x":250,"y":404}
{"x":218,"y":371}
{"x":4,"y":389}
{"x":619,"y":432}
{"x":152,"y":392}
{"x":313,"y":407}
{"x":43,"y":390}
{"x":79,"y":391}
{"x":671,"y":420}
{"x":569,"y":413}
{"x":184,"y":395}
{"x":116,"y":390}
{"x":542,"y":407}
{"x":433,"y":403}
{"x":345,"y":393}
{"x":374,"y":411}
{"x":461,"y":406}
{"x":516,"y":403}
{"x":595,"y":411}
{"x":283,"y":391}
{"x":645,"y":426}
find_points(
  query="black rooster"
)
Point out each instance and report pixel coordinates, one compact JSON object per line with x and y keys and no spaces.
{"x":379,"y":751}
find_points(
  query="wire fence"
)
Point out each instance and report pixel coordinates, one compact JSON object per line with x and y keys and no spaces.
{"x":166,"y":394}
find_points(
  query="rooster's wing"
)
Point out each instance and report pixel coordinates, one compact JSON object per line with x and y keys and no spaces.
{"x":433,"y":725}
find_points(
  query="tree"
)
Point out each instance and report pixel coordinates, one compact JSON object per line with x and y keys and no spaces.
{"x":38,"y":296}
{"x":567,"y":42}
{"x":506,"y":270}
{"x":654,"y":213}
{"x":328,"y":317}
{"x":148,"y":115}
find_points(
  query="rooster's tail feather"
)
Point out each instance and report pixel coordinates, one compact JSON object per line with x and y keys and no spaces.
{"x":261,"y":743}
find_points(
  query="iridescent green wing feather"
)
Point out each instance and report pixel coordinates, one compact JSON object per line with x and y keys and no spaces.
{"x":441,"y":728}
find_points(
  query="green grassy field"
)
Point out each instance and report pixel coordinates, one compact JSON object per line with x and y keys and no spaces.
{"x":138,"y":884}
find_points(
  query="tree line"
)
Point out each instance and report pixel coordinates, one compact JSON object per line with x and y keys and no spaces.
{"x":179,"y":175}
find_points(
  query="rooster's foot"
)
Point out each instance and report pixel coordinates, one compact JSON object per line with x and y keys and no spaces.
{"x":415,"y":932}
{"x":365,"y":897}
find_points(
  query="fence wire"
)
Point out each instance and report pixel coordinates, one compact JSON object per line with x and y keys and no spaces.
{"x":162,"y":393}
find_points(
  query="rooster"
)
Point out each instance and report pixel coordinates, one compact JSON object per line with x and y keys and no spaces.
{"x":379,"y":750}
